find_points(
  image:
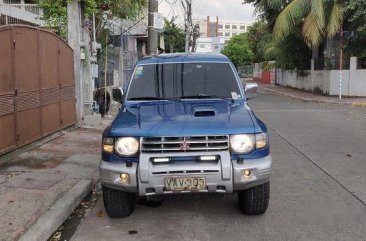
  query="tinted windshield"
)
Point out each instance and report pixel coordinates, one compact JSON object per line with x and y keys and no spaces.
{"x":189,"y":80}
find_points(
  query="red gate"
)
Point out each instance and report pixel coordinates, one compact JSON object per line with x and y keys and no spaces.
{"x":37,"y":94}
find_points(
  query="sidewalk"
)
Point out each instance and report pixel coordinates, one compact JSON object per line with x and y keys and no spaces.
{"x":40,"y":188}
{"x":308,"y":96}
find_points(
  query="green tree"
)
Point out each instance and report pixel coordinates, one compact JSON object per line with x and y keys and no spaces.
{"x":355,"y":36}
{"x":289,"y":53}
{"x":356,"y":10}
{"x":319,"y":19}
{"x":260,"y":38}
{"x":174,"y":36}
{"x":238,"y":50}
{"x":55,"y":11}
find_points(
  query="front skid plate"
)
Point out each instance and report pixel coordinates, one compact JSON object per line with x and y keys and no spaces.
{"x":153,"y":177}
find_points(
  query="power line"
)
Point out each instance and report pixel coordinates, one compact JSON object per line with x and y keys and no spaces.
{"x":138,"y":21}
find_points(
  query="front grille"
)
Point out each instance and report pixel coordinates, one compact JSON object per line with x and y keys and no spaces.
{"x":184,"y":144}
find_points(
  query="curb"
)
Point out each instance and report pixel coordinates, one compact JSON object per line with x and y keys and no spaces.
{"x":312,"y":100}
{"x":54,"y":217}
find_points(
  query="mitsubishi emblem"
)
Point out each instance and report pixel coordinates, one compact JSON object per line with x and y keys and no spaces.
{"x":184,"y":146}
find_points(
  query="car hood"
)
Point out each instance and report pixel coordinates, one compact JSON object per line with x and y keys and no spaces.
{"x":183,"y":118}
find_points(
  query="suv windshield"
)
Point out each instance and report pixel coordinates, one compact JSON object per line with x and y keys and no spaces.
{"x":184,"y":81}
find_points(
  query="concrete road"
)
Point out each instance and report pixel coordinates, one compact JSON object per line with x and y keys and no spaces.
{"x":318,"y":186}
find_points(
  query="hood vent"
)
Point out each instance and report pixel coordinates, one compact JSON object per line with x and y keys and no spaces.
{"x":204,"y":113}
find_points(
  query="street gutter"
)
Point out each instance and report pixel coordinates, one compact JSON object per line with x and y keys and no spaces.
{"x":58,"y":212}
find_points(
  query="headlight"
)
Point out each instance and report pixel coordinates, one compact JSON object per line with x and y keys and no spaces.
{"x":127,"y":146}
{"x":242,"y":143}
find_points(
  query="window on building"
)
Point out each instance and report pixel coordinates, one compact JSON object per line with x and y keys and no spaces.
{"x":221,"y":26}
{"x":234,"y":34}
{"x":234,"y":27}
{"x":227,"y":26}
{"x":227,"y":34}
{"x":221,"y":34}
{"x":242,"y":27}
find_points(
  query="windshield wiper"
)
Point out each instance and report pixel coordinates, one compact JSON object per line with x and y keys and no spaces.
{"x":201,"y":96}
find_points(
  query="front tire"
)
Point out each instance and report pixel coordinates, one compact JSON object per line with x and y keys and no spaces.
{"x":117,"y":203}
{"x":255,"y":200}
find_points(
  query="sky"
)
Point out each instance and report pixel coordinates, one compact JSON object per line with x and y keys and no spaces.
{"x":231,"y":10}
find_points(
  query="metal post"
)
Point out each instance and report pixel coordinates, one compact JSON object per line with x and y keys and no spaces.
{"x":341,"y":64}
{"x":152,"y":45}
{"x":105,"y":75}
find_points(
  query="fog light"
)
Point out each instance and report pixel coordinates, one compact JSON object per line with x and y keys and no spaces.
{"x":125,"y":178}
{"x":208,"y":158}
{"x":247,"y":173}
{"x":161,"y":160}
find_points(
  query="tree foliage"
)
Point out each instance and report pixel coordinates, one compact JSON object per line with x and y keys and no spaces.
{"x":174,"y":36}
{"x":260,"y":39}
{"x":355,"y":37}
{"x":289,"y":53}
{"x":55,"y":11}
{"x":319,"y":19}
{"x":356,"y":10}
{"x":238,"y":50}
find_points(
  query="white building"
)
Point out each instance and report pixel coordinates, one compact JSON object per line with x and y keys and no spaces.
{"x":229,"y":29}
{"x":210,"y":45}
{"x":20,"y":12}
{"x":214,"y":27}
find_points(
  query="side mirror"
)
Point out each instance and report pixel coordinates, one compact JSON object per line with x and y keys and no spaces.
{"x":117,"y":94}
{"x":251,"y":90}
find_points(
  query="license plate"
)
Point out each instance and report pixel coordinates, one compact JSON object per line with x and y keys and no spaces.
{"x":185,"y":184}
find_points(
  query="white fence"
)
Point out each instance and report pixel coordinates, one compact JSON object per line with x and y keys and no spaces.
{"x":326,"y":81}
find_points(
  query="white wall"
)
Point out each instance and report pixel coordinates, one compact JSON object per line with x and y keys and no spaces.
{"x":353,"y":80}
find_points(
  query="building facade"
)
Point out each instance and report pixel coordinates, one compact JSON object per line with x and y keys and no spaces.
{"x":214,"y":27}
{"x":20,"y":12}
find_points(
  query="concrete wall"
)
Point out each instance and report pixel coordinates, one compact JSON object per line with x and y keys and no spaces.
{"x":326,"y":81}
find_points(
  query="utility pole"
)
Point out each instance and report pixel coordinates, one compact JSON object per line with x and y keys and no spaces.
{"x":187,"y":6}
{"x":341,"y":62}
{"x":196,"y":34}
{"x":152,"y":42}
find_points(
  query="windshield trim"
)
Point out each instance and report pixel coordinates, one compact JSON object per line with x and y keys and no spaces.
{"x":238,"y":82}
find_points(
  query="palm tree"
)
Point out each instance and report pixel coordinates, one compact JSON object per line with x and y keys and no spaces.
{"x":319,"y":18}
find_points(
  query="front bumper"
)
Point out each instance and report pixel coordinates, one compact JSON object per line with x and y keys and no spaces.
{"x":224,"y":176}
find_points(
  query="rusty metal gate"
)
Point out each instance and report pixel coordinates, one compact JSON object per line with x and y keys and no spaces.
{"x":37,"y":94}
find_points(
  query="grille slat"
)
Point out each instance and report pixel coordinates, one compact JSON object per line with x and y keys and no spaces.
{"x":184,"y":144}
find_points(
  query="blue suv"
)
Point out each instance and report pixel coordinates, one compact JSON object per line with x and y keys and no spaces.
{"x":184,"y":126}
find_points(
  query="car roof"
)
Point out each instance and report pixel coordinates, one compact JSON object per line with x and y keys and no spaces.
{"x":183,"y":58}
